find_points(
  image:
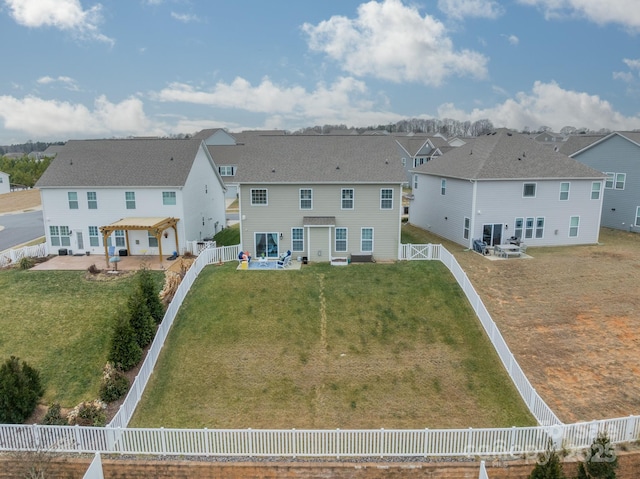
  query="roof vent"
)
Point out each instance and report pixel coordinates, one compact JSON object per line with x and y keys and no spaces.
{"x":508,"y":133}
{"x":273,"y":170}
{"x":524,"y":153}
{"x":471,"y":152}
{"x":338,"y":167}
{"x":71,"y":162}
{"x":386,"y":162}
{"x":171,"y":159}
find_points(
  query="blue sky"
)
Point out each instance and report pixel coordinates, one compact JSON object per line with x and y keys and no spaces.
{"x":76,"y":69}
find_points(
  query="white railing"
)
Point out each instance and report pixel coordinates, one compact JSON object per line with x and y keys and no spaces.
{"x":488,"y":443}
{"x":197,"y":247}
{"x":12,"y":256}
{"x":419,"y":251}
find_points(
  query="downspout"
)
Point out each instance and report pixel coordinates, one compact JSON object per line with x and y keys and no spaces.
{"x":472,"y":217}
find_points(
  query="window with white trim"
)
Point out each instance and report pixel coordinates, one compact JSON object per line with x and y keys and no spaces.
{"x":637,"y":223}
{"x":73,"y":200}
{"x":564,"y":191}
{"x":258,"y":196}
{"x":608,"y":185}
{"x":130,"y":199}
{"x":595,"y":190}
{"x":346,"y":197}
{"x":529,"y":190}
{"x":94,"y":237}
{"x":518,"y":227}
{"x":168,"y":198}
{"x":153,"y":241}
{"x":574,"y":225}
{"x":528,"y":228}
{"x":119,"y":238}
{"x":621,"y":178}
{"x":467,"y":226}
{"x":415,"y":182}
{"x":226,"y":170}
{"x":540,"y":227}
{"x":92,"y":200}
{"x":341,"y":240}
{"x":366,"y":240}
{"x":443,"y":186}
{"x":297,"y":239}
{"x":60,"y":235}
{"x":386,"y":199}
{"x":306,"y":199}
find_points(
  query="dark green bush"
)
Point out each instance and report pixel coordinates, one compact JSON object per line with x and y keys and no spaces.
{"x":20,"y":389}
{"x":150,"y":292}
{"x":54,"y":416}
{"x":548,"y":465}
{"x":125,"y":352}
{"x":26,"y":262}
{"x":114,"y":384}
{"x":600,"y":460}
{"x":140,"y":318}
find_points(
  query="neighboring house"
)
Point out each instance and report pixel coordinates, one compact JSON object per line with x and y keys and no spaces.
{"x":52,"y":151}
{"x":320,"y":196}
{"x":416,"y":150}
{"x":505,"y":184}
{"x":617,"y":155}
{"x":5,"y":185}
{"x":146,"y":196}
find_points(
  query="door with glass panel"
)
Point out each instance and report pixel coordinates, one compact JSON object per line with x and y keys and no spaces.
{"x":266,"y":244}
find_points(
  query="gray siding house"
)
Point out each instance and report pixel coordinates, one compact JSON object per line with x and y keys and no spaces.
{"x":618,"y":156}
{"x":319,"y":196}
{"x":505,"y":185}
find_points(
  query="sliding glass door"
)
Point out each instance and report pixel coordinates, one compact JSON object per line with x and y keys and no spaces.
{"x":267,"y":244}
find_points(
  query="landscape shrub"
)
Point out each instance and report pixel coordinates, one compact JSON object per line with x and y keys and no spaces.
{"x":114,"y":384}
{"x":548,"y":465}
{"x":88,"y":414}
{"x":54,"y":416}
{"x":26,"y":262}
{"x":150,"y":292}
{"x":124,"y":352}
{"x":20,"y":389}
{"x":600,"y":460}
{"x":140,"y":318}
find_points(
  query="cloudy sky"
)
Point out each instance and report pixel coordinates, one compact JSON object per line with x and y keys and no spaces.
{"x":77,"y":69}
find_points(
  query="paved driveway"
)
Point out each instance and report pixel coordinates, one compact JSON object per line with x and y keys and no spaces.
{"x":19,"y":228}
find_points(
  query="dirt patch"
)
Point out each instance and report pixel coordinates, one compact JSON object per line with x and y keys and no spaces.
{"x":18,"y":201}
{"x":571,"y":316}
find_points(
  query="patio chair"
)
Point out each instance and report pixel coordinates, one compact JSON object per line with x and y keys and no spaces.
{"x":284,"y":260}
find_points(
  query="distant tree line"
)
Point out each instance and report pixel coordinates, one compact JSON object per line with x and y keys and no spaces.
{"x":24,"y":171}
{"x":28,"y":147}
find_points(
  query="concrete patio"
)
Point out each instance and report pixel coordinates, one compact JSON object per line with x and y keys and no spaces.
{"x":126,"y":263}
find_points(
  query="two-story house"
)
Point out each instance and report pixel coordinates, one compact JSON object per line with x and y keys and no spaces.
{"x":141,"y":196}
{"x":505,"y":185}
{"x":5,"y":185}
{"x":320,"y":196}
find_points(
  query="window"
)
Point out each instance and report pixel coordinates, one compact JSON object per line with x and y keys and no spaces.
{"x":306,"y":199}
{"x":94,"y":239}
{"x":297,"y":239}
{"x":467,"y":225}
{"x":92,"y":200}
{"x":595,"y":190}
{"x":168,"y":198}
{"x":529,"y":190}
{"x":404,"y":163}
{"x":609,"y":182}
{"x":347,"y":198}
{"x":539,"y":227}
{"x":341,"y":240}
{"x":528,"y":228}
{"x":130,"y":199}
{"x":153,"y":241}
{"x":266,"y":244}
{"x":60,"y":235}
{"x":564,"y":191}
{"x":119,"y":235}
{"x":638,"y":216}
{"x":517,"y":230}
{"x":226,"y":170}
{"x":443,"y":186}
{"x":574,"y":225}
{"x":258,"y":197}
{"x":386,"y":199}
{"x":366,"y":240}
{"x":415,"y":182}
{"x":73,"y":200}
{"x":620,"y":180}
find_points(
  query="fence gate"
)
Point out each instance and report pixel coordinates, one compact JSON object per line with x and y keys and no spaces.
{"x":419,"y":251}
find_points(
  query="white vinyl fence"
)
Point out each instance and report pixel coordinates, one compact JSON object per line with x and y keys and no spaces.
{"x":12,"y":256}
{"x":489,"y":443}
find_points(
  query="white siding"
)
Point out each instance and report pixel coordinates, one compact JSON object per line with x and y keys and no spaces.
{"x":5,"y":185}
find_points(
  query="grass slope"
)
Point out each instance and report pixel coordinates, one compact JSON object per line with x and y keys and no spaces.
{"x":366,"y":346}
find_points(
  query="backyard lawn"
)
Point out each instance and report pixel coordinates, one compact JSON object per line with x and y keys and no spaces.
{"x":366,"y":346}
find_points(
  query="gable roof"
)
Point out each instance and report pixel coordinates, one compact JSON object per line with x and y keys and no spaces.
{"x":506,"y":155}
{"x":632,"y":136}
{"x":314,"y":159}
{"x":145,"y":162}
{"x":575,"y":143}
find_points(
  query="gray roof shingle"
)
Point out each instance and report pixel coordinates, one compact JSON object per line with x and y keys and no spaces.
{"x":506,"y":155}
{"x":121,"y":163}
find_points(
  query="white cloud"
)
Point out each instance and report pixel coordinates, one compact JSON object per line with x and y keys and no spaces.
{"x":512,"y":39}
{"x":344,"y":101}
{"x":624,"y":76}
{"x":632,"y":64}
{"x":68,"y":82}
{"x":470,"y":8}
{"x":60,"y":120}
{"x":185,"y":17}
{"x":622,"y":12}
{"x":548,"y":104}
{"x":66,"y":15}
{"x":394,"y":42}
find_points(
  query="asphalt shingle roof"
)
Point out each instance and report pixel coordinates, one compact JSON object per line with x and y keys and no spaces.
{"x":313,"y":159}
{"x":117,"y":163}
{"x":575,"y":143}
{"x":506,"y":155}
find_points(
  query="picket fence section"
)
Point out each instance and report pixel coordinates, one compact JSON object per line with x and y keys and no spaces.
{"x":12,"y":256}
{"x":483,"y":444}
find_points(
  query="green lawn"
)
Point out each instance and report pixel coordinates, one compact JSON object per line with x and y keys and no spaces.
{"x":363,"y":346}
{"x":60,"y":323}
